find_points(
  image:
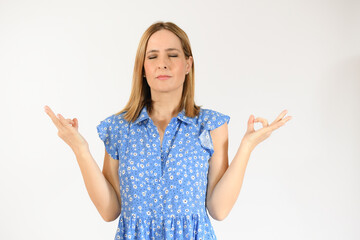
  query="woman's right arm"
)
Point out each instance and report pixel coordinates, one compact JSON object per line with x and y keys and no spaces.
{"x":101,"y":185}
{"x":100,"y":190}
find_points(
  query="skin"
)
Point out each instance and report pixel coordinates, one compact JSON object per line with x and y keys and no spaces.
{"x":224,"y":180}
{"x":67,"y":129}
{"x":166,"y":94}
{"x":103,"y":187}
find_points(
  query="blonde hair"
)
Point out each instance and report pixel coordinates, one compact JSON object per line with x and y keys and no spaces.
{"x":140,"y":91}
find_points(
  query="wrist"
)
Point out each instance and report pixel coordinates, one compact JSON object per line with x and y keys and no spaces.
{"x":80,"y":150}
{"x":246,"y":146}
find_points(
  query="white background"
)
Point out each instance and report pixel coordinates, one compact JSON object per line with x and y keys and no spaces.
{"x":250,"y":57}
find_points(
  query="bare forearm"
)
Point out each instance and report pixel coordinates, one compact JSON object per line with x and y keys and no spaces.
{"x":101,"y":192}
{"x":228,"y":188}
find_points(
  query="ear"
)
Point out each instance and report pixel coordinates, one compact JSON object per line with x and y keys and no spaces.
{"x":189,"y":62}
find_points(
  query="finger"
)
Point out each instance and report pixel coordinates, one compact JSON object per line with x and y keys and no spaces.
{"x":62,"y":120}
{"x":276,"y":126}
{"x":281,"y":115}
{"x":281,"y":123}
{"x":69,"y":121}
{"x":76,"y":122}
{"x":262,"y":120}
{"x":51,"y":114}
{"x":250,"y":124}
{"x":288,"y":118}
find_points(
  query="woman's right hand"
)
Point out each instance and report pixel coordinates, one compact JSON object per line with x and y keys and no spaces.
{"x":68,"y":130}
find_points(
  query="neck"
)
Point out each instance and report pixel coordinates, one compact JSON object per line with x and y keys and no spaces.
{"x":165,"y":105}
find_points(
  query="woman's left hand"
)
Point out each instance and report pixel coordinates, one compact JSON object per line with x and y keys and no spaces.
{"x":252,"y":138}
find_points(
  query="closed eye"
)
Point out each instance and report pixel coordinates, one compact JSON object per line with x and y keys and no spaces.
{"x":151,"y":57}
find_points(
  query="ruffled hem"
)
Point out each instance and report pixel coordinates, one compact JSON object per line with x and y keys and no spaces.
{"x":106,"y":132}
{"x":194,"y":227}
{"x":205,"y":136}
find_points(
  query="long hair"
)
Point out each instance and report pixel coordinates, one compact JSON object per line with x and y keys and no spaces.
{"x":140,"y":91}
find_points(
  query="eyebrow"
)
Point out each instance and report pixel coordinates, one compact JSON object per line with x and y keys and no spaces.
{"x":168,"y":49}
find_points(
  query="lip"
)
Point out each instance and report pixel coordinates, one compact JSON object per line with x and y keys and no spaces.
{"x":163,"y":77}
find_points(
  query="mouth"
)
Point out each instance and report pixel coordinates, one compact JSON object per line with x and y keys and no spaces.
{"x":163,"y":77}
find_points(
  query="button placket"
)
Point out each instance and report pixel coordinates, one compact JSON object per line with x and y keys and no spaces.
{"x":165,"y":148}
{"x":160,"y":152}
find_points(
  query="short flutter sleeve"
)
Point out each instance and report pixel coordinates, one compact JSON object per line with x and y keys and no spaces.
{"x":211,"y":120}
{"x":109,"y":133}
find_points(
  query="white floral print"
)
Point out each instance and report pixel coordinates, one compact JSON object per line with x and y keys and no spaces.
{"x":163,"y":188}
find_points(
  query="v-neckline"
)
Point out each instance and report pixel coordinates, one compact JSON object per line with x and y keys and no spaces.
{"x":161,"y":137}
{"x":161,"y":140}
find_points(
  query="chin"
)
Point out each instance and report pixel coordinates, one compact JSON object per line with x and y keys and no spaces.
{"x":166,"y":89}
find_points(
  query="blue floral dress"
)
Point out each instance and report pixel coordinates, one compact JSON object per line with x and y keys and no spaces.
{"x":162,"y":186}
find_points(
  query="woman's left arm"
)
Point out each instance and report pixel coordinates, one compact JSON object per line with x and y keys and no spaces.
{"x":224,"y":181}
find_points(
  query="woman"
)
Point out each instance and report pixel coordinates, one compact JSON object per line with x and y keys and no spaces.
{"x":166,"y":159}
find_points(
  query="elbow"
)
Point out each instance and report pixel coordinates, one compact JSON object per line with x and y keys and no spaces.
{"x":218,"y":216}
{"x":110,"y":215}
{"x":109,"y":218}
{"x":216,"y":213}
{"x":106,"y":217}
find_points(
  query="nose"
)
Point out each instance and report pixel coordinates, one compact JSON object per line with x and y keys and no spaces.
{"x":162,"y":63}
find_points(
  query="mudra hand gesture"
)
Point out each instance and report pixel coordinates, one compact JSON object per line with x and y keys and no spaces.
{"x":68,"y":130}
{"x":252,"y":138}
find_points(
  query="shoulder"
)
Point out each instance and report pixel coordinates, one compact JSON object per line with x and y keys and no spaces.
{"x":115,"y":119}
{"x":114,"y":123}
{"x":211,"y":119}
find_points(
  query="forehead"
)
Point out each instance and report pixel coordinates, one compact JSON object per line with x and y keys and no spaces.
{"x":163,"y":39}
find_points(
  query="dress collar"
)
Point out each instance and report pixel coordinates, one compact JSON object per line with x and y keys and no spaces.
{"x":181,"y":116}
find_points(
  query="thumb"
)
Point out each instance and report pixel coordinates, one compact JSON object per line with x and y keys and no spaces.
{"x":250,"y":126}
{"x":76,"y":122}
